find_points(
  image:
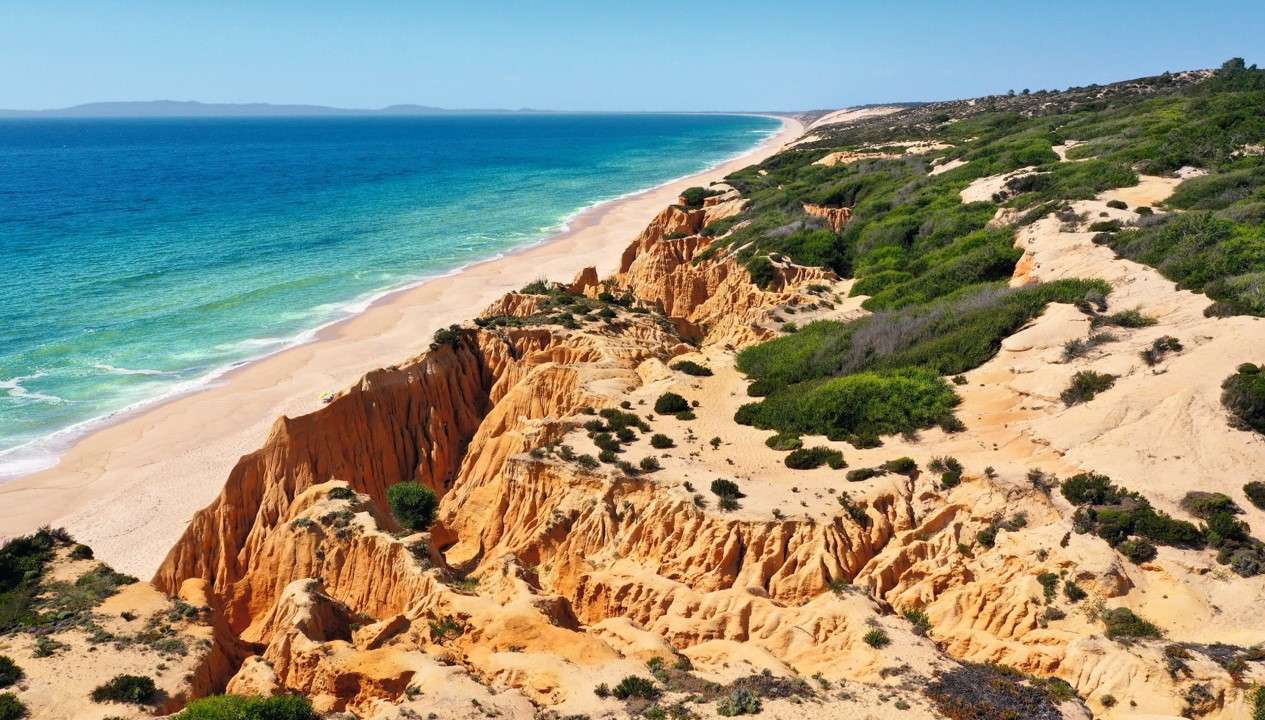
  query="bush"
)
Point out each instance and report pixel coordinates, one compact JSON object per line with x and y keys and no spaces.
{"x":1255,"y":492}
{"x":784,"y":442}
{"x":1049,"y":585}
{"x":11,"y":708}
{"x":921,"y":624}
{"x":635,"y":686}
{"x":877,"y":638}
{"x":586,"y":461}
{"x":1085,"y":385}
{"x":413,"y":504}
{"x":81,"y":552}
{"x":1073,"y":592}
{"x":9,"y":672}
{"x":1124,"y":319}
{"x":1243,"y":394}
{"x":669,"y":403}
{"x":901,"y":466}
{"x":739,"y":702}
{"x":861,"y":474}
{"x":693,"y":196}
{"x":689,"y":367}
{"x":726,"y":489}
{"x":1138,"y":551}
{"x":1160,"y":347}
{"x":809,"y":458}
{"x":650,"y":463}
{"x":1205,"y":504}
{"x":950,"y":471}
{"x":239,"y":707}
{"x":659,"y":441}
{"x":1118,"y":204}
{"x":1121,"y":622}
{"x":133,"y":689}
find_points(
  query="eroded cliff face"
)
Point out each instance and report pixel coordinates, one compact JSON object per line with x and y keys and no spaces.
{"x":546,"y":575}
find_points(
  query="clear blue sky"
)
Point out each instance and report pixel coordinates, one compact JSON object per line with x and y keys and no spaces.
{"x":596,"y":55}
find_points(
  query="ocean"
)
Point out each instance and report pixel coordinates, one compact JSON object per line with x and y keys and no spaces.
{"x":144,"y":258}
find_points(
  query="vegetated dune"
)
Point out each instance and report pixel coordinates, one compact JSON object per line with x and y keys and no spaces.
{"x":611,"y":541}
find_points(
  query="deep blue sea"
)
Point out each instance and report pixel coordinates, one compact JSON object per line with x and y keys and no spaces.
{"x":143,"y":258}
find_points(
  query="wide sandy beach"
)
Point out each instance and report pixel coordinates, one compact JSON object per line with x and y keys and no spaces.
{"x":129,"y":489}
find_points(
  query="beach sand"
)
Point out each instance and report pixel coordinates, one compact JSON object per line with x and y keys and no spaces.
{"x":129,"y":489}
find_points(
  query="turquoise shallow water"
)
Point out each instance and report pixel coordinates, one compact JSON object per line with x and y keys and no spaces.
{"x":143,"y":258}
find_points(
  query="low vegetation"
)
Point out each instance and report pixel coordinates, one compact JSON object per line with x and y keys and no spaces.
{"x":240,"y":707}
{"x":1085,"y":385}
{"x":975,"y":691}
{"x":11,"y":708}
{"x":883,"y":374}
{"x":689,"y":367}
{"x":413,"y":504}
{"x":1243,"y":395}
{"x":132,"y":689}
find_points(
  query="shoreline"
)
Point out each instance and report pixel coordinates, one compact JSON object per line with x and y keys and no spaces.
{"x":128,"y":487}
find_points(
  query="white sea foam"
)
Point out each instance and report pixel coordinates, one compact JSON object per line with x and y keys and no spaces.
{"x":129,"y":371}
{"x":14,"y":390}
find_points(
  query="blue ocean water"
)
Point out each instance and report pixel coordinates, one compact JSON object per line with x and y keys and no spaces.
{"x":140,"y":258}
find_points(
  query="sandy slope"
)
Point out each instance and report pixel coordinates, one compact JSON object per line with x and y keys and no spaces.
{"x":129,"y":489}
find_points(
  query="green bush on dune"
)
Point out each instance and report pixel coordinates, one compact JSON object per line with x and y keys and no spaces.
{"x":239,"y":707}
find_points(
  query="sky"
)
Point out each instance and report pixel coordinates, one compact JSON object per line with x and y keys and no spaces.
{"x":599,"y":55}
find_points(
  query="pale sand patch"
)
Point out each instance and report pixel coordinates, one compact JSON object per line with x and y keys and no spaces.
{"x":847,"y":115}
{"x":983,"y":189}
{"x":953,"y":164}
{"x":129,"y":489}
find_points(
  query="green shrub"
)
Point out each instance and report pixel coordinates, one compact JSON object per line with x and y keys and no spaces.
{"x":694,"y":196}
{"x":877,"y":638}
{"x":1118,"y":204}
{"x":239,"y":707}
{"x":11,"y":708}
{"x":1243,"y":394}
{"x":809,"y":458}
{"x":670,"y":403}
{"x":1049,"y":584}
{"x":132,"y":689}
{"x":861,"y":474}
{"x":784,"y":442}
{"x":586,"y":461}
{"x":413,"y":504}
{"x":739,"y":702}
{"x":342,"y":493}
{"x":1085,"y":385}
{"x":1255,"y":492}
{"x":1160,"y":347}
{"x":917,"y":617}
{"x":635,"y":686}
{"x":901,"y":466}
{"x":1257,"y":696}
{"x":1073,"y":592}
{"x":659,"y":441}
{"x":689,"y":367}
{"x":1121,"y":622}
{"x":1138,"y":551}
{"x":81,"y":552}
{"x":1124,"y":319}
{"x":726,"y":488}
{"x":1205,"y":504}
{"x":650,"y":463}
{"x":10,"y":673}
{"x":950,"y":471}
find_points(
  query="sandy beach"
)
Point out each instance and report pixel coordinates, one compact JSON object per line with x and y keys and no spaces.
{"x":129,"y":489}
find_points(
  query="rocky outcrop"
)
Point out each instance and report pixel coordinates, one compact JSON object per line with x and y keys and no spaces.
{"x":835,"y":217}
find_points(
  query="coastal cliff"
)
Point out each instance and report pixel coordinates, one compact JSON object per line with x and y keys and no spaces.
{"x":997,"y":476}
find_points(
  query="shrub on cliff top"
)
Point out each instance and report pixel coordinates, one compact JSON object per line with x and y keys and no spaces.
{"x":133,"y":689}
{"x":413,"y":505}
{"x":726,"y":488}
{"x":239,"y":707}
{"x":1085,"y":385}
{"x":694,"y":196}
{"x":1243,"y":394}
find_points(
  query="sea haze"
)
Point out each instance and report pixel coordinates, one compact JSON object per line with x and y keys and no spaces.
{"x":144,"y":257}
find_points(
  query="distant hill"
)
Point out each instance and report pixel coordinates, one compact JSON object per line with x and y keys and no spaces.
{"x":192,"y":108}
